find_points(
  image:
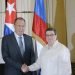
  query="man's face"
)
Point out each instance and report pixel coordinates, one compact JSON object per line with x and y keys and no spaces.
{"x":19,"y":27}
{"x":50,"y":37}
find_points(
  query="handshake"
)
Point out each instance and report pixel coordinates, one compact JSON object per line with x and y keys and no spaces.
{"x":24,"y":68}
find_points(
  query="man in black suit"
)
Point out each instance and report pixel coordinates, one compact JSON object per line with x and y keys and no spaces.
{"x":16,"y":57}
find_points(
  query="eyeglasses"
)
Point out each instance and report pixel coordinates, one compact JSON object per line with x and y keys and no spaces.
{"x":50,"y":34}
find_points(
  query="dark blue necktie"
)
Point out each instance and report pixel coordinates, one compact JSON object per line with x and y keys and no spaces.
{"x":21,"y":45}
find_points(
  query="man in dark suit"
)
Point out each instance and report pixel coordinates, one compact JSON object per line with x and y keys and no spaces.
{"x":16,"y":57}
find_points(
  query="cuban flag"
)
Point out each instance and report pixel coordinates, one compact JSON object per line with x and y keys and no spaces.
{"x":10,"y":16}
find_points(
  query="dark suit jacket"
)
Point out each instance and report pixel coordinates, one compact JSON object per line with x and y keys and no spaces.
{"x":12,"y":55}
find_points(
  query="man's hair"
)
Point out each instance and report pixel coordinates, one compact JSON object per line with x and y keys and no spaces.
{"x":19,"y":18}
{"x":51,"y":29}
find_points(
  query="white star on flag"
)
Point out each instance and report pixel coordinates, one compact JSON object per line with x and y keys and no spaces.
{"x":10,"y":8}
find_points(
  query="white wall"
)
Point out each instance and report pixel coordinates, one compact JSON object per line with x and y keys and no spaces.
{"x":2,"y":15}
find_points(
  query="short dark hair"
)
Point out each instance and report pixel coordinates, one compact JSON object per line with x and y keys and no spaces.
{"x":19,"y":18}
{"x":51,"y":29}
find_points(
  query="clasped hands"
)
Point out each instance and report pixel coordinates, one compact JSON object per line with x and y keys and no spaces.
{"x":24,"y":68}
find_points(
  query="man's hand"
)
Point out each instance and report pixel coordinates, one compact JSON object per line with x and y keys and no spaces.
{"x":24,"y":68}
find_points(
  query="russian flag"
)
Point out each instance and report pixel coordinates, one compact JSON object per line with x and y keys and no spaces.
{"x":39,"y":22}
{"x":39,"y":27}
{"x":10,"y":16}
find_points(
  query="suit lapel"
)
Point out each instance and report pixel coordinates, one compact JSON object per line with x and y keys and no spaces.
{"x":16,"y":45}
{"x":25,"y":41}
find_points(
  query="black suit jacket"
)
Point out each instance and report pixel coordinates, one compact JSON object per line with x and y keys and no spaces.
{"x":12,"y":55}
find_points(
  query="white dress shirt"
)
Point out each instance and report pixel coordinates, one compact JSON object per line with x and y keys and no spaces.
{"x":53,"y":61}
{"x":17,"y":38}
